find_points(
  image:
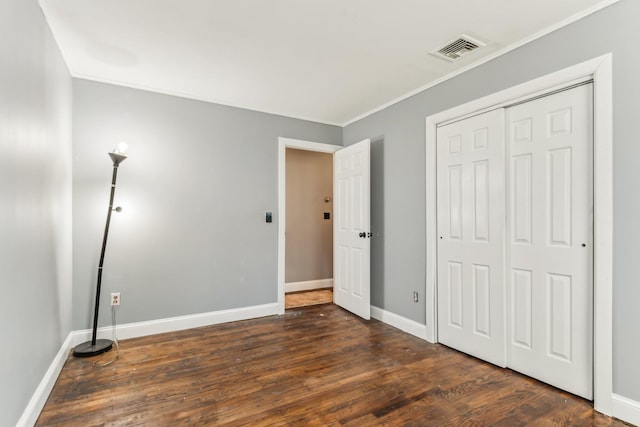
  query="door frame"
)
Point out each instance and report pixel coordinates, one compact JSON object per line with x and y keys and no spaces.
{"x":601,"y":71}
{"x":283,"y":144}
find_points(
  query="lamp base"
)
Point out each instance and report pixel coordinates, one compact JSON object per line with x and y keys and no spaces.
{"x":86,"y":349}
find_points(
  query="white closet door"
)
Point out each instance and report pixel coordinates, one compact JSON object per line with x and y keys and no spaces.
{"x":471,"y":194}
{"x":550,"y":239}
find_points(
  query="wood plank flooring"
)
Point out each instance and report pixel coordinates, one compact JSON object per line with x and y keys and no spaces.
{"x":306,"y":298}
{"x":315,"y":366}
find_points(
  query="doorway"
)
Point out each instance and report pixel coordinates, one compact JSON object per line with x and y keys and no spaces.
{"x":307,"y":147}
{"x":352,"y":222}
{"x":309,"y":228}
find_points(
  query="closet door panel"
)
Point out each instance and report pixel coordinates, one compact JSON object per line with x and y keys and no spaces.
{"x":471,"y":193}
{"x":550,"y":147}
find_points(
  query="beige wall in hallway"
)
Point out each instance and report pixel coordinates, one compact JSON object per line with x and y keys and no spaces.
{"x":309,"y":237}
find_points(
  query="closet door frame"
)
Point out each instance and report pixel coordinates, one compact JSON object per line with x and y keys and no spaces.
{"x":600,"y":71}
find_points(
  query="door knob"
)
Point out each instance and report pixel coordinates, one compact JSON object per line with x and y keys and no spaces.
{"x":363,"y":234}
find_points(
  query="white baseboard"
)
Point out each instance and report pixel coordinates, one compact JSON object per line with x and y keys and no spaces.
{"x":40,"y":396}
{"x":626,"y":409}
{"x":623,"y":408}
{"x":308,"y":285}
{"x":171,"y":324}
{"x":407,"y":325}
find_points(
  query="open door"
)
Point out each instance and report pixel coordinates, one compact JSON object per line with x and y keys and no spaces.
{"x":351,"y":229}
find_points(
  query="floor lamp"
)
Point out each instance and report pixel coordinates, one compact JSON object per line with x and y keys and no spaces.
{"x":95,"y":346}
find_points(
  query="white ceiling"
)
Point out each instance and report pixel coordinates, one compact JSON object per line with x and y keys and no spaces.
{"x":329,"y":61}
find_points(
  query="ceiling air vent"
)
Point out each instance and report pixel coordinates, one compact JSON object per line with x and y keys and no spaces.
{"x":460,"y":46}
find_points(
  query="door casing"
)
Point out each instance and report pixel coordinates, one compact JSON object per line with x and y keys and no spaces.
{"x":600,"y":71}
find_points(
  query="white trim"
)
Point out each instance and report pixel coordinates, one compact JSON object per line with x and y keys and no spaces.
{"x":603,"y":235}
{"x":283,"y":144}
{"x":548,"y":30}
{"x":491,"y":57}
{"x":601,"y":70}
{"x":40,"y":396}
{"x":308,"y":145}
{"x":406,"y":325}
{"x":179,"y":323}
{"x":308,"y":285}
{"x":626,"y":409}
{"x":194,"y":97}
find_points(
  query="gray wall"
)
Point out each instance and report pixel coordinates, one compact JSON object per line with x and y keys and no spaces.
{"x":199,"y":178}
{"x":309,"y":237}
{"x":398,"y":168}
{"x":35,"y":203}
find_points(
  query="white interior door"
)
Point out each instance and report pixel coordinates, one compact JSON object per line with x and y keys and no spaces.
{"x":551,"y":239}
{"x":471,"y":193}
{"x":352,"y":233}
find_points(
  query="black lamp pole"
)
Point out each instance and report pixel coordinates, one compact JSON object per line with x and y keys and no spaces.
{"x":95,"y":347}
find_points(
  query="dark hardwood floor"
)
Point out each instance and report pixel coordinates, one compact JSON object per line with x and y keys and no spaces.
{"x":315,"y":366}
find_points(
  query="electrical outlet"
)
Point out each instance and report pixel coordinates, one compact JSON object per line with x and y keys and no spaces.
{"x":415,"y":296}
{"x":115,"y":298}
